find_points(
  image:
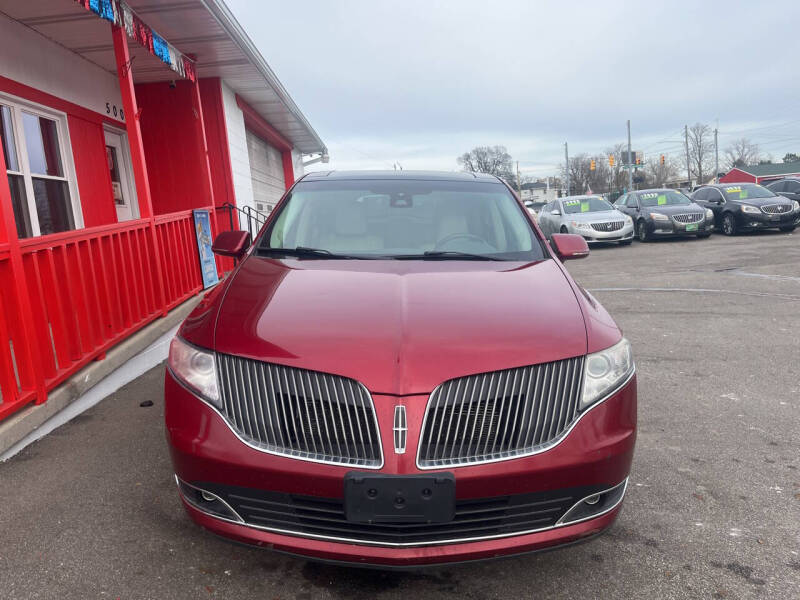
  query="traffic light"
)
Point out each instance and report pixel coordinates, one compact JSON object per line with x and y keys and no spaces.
{"x":663,"y":159}
{"x":610,"y":160}
{"x":638,"y":159}
{"x":592,"y":165}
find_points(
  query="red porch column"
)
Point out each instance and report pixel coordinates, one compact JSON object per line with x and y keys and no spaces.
{"x":29,"y":366}
{"x":134,"y":130}
{"x":197,"y":105}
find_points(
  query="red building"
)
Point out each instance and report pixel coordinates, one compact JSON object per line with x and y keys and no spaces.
{"x":117,"y":119}
{"x":761,"y":173}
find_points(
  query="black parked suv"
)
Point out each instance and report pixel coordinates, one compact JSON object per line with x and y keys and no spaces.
{"x":664,"y":213}
{"x":748,"y":206}
{"x":788,"y":188}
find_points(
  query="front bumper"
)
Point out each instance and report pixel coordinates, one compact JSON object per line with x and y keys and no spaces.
{"x":675,"y":228}
{"x":766,"y":221}
{"x":597,"y":452}
{"x":592,"y":236}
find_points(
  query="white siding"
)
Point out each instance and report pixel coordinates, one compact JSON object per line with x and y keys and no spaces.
{"x":297,"y":161}
{"x":33,"y":60}
{"x":266,"y":172}
{"x":237,"y":148}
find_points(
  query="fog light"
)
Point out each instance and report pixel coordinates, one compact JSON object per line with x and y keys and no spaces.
{"x":210,"y":497}
{"x":593,"y":499}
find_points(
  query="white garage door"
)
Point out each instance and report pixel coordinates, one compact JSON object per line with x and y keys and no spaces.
{"x":266,"y":171}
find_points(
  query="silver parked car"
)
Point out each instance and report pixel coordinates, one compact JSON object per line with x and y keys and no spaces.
{"x":592,"y":217}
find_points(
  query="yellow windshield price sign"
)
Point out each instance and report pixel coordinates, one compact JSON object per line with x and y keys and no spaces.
{"x":662,"y":199}
{"x":584,"y":207}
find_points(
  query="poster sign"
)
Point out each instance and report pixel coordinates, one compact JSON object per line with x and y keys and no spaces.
{"x":208,"y":266}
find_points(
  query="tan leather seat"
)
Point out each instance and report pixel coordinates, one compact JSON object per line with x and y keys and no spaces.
{"x":350,"y":231}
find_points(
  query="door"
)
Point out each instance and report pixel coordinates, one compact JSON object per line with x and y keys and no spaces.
{"x":121,"y":179}
{"x":266,"y":173}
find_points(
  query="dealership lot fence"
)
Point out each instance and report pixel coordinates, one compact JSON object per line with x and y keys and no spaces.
{"x":67,"y":298}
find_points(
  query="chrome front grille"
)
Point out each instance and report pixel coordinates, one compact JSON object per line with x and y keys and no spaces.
{"x":299,"y":413}
{"x":610,"y":226}
{"x":777,"y":209}
{"x":689,"y":217}
{"x":500,"y":415}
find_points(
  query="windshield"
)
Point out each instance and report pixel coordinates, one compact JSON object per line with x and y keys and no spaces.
{"x":403,"y":219}
{"x":746,"y":191}
{"x":584,"y":205}
{"x":663,"y":198}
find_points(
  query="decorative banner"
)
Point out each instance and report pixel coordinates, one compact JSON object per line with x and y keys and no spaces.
{"x":119,"y":13}
{"x":208,"y":265}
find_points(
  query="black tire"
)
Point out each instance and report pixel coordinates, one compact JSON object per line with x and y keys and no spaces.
{"x":788,"y":228}
{"x":641,"y":231}
{"x":728,"y":224}
{"x":563,"y":229}
{"x":702,"y":236}
{"x":625,"y":242}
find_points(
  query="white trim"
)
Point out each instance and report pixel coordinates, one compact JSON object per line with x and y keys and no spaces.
{"x":127,"y":166}
{"x":18,"y":106}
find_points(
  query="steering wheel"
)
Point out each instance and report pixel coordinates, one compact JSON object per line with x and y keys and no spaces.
{"x":456,"y":236}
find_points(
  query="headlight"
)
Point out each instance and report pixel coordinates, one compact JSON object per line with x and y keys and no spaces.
{"x":796,"y":205}
{"x":750,"y":209}
{"x":580,"y":225}
{"x":709,"y":214}
{"x":605,"y":371}
{"x":628,"y":219}
{"x":196,"y":369}
{"x":658,"y":217}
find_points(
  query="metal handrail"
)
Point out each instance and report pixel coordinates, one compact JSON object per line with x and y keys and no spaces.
{"x":255,"y":219}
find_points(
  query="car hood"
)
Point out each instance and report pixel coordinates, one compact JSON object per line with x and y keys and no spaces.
{"x":759,"y":202}
{"x":604,"y":216}
{"x":398,"y":327}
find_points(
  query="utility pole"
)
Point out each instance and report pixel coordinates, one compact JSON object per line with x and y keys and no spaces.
{"x":519,"y":187}
{"x":716,"y":154}
{"x":566,"y":158}
{"x":688,"y":166}
{"x":630,"y":159}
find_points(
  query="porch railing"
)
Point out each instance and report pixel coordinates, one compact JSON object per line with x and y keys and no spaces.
{"x":248,"y":218}
{"x":88,"y":290}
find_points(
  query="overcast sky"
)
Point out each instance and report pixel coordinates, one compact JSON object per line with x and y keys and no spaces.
{"x":420,"y":81}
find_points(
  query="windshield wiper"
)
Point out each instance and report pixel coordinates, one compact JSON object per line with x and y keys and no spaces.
{"x":304,"y":252}
{"x":443,"y":255}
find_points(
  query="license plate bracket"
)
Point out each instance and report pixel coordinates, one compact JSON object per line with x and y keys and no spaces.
{"x":691,"y":227}
{"x":376,"y":498}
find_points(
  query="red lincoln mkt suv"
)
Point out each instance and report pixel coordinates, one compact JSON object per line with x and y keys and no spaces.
{"x":401,"y":372}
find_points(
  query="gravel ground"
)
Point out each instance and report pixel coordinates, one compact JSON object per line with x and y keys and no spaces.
{"x":713,"y":509}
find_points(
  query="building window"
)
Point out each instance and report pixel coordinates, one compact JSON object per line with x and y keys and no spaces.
{"x":36,"y":161}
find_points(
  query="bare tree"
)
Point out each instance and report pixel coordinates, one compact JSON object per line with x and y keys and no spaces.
{"x":741,"y":153}
{"x":791,"y":157}
{"x":701,"y":151}
{"x":618,"y":175}
{"x":657,"y":174}
{"x":493,"y":160}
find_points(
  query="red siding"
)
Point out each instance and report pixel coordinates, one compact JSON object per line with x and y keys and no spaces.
{"x":94,"y":180}
{"x":217,"y":141}
{"x":175,"y":162}
{"x":737,"y":176}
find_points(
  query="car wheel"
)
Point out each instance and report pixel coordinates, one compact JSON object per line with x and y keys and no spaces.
{"x":788,"y":228}
{"x":641,"y":231}
{"x":625,"y":242}
{"x":702,"y":236}
{"x":564,"y":229}
{"x":728,"y":224}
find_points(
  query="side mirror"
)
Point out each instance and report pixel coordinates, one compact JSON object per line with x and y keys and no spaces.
{"x":529,"y":203}
{"x":231,"y":243}
{"x":569,"y":246}
{"x":556,"y":212}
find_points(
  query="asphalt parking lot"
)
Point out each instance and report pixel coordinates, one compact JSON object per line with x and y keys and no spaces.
{"x":713,"y":509}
